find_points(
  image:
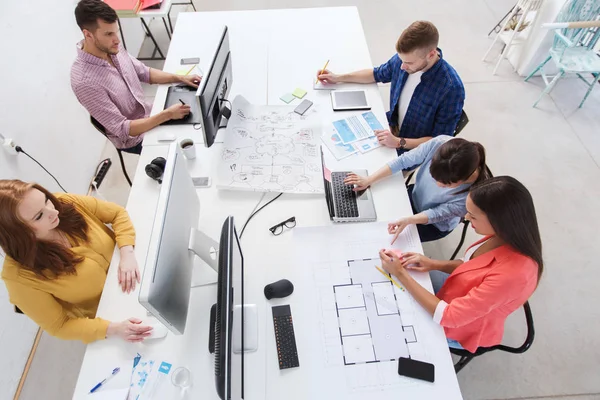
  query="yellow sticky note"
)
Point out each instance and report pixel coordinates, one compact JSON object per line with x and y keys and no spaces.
{"x":299,"y":93}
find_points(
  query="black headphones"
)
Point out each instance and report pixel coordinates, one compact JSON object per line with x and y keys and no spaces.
{"x":156,"y":169}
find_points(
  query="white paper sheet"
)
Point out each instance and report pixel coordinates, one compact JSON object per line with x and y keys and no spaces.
{"x":271,"y":149}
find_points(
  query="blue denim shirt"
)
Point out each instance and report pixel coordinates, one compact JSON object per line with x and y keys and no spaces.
{"x":436,"y":104}
{"x":444,"y":207}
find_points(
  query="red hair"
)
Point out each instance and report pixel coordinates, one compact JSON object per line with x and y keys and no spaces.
{"x":45,"y":258}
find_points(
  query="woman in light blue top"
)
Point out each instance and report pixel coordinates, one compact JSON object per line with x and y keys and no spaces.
{"x":449,"y":166}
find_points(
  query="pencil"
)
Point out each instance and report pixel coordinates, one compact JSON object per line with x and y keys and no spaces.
{"x":190,"y":70}
{"x":323,"y":70}
{"x":390,"y":278}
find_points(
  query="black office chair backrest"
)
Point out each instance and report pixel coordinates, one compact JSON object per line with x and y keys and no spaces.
{"x":515,"y":350}
{"x":462,"y":122}
{"x":98,"y":125}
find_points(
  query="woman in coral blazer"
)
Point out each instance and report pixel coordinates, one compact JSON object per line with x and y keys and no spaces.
{"x":499,"y":273}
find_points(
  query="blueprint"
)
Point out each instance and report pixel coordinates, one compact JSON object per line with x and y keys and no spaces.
{"x":366,"y":322}
{"x":271,"y":149}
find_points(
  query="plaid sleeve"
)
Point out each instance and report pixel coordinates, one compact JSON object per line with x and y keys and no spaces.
{"x":100,"y":106}
{"x":449,"y":111}
{"x":142,"y":71}
{"x":383,"y":73}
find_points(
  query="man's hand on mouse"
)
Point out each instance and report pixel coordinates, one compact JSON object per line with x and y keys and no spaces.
{"x":190,"y":80}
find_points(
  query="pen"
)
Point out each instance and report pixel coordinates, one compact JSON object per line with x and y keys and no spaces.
{"x":323,"y":70}
{"x":390,"y":278}
{"x":182,"y":102}
{"x":98,"y":386}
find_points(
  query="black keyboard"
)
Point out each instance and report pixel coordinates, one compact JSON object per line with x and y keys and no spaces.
{"x":343,"y":196}
{"x":284,"y":337}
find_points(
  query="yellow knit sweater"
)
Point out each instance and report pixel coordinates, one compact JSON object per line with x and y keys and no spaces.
{"x":66,"y":306}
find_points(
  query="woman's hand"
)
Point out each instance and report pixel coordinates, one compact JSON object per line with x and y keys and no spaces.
{"x":129,"y":274}
{"x":130,"y":330}
{"x":395,"y":228}
{"x":391,"y":263}
{"x":417,"y":262}
{"x":361,"y":182}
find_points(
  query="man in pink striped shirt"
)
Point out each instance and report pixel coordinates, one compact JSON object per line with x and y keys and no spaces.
{"x":107,"y":80}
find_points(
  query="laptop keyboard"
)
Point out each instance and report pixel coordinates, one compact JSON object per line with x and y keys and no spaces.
{"x":343,"y":196}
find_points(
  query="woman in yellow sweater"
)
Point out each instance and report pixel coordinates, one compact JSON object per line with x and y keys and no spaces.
{"x":58,"y":250}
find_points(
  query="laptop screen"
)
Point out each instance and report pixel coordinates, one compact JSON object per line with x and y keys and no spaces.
{"x":327,"y":185}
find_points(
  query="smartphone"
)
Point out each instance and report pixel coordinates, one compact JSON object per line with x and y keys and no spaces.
{"x":303,"y":107}
{"x":201,"y":181}
{"x":190,"y":61}
{"x":416,"y":369}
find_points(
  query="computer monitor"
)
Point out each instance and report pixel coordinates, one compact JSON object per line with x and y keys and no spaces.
{"x":230,"y":298}
{"x":214,"y":90}
{"x":167,"y":278}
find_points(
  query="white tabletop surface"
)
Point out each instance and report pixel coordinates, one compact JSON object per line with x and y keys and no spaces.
{"x":273,"y":52}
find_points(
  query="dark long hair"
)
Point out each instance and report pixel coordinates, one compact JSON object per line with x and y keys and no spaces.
{"x":45,"y":258}
{"x":510,"y":210}
{"x":456,"y":160}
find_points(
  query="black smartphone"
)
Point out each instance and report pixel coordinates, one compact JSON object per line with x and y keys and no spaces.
{"x":189,"y":61}
{"x":302,"y":107}
{"x":416,"y":369}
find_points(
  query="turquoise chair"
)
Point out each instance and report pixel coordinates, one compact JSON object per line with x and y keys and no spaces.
{"x":573,"y":48}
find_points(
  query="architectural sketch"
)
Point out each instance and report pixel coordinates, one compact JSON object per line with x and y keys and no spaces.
{"x":365,"y":323}
{"x":270,"y":149}
{"x":374,"y":316}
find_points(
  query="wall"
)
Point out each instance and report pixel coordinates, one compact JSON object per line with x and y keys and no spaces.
{"x":39,"y":111}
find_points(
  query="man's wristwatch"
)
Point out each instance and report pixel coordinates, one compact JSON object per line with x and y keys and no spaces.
{"x":402,"y":143}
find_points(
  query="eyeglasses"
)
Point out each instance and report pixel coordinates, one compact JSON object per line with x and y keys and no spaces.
{"x":278,"y":229}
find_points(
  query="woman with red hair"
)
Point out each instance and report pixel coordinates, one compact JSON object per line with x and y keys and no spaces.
{"x":58,"y":251}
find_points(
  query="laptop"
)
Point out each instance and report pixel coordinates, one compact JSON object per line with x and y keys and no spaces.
{"x":344,"y":204}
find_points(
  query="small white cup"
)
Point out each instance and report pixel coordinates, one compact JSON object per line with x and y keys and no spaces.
{"x":188,"y":148}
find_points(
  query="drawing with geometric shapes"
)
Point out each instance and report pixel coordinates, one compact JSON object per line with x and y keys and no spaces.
{"x":374,"y":316}
{"x":270,"y":149}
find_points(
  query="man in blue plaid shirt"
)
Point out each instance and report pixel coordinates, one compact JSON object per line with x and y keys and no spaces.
{"x":426,"y":95}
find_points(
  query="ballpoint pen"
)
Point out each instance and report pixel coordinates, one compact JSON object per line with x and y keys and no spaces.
{"x":182,"y":102}
{"x":99,"y":385}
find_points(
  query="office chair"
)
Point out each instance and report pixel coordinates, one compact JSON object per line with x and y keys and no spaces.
{"x":466,"y":356}
{"x":102,"y":130}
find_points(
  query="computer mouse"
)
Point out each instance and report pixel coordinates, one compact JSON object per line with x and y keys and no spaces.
{"x":279,"y":289}
{"x":158,"y":331}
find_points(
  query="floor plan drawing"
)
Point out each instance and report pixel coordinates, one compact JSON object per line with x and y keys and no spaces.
{"x":270,"y":149}
{"x":371,"y":315}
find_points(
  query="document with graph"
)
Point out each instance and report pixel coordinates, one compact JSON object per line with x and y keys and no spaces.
{"x":357,"y":127}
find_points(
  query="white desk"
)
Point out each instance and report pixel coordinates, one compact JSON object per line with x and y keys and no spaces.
{"x":270,"y":57}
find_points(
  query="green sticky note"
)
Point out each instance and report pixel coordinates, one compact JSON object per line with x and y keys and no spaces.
{"x":299,"y":93}
{"x":287,"y":98}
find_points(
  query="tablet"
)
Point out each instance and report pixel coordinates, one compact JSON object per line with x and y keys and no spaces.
{"x":345,"y":100}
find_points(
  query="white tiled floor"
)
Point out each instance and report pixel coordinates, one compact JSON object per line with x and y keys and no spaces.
{"x":554,"y":150}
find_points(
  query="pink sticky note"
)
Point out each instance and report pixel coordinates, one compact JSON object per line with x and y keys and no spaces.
{"x":397,"y":252}
{"x":327,"y":173}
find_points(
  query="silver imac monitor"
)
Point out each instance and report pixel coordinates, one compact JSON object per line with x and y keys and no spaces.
{"x":167,"y":279}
